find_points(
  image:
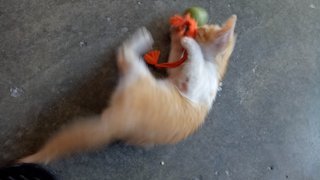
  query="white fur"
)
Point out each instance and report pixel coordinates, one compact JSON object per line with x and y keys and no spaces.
{"x":199,"y":75}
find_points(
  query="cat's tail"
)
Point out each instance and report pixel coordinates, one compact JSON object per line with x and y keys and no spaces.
{"x":84,"y":135}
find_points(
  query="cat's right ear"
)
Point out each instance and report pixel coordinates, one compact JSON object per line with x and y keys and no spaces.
{"x":225,"y":34}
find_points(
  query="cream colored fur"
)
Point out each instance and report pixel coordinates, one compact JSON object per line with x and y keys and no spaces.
{"x":145,"y":110}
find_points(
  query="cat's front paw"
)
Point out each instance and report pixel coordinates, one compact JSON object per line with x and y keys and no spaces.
{"x":141,"y":40}
{"x":176,"y":34}
{"x":192,"y":47}
{"x":188,"y":42}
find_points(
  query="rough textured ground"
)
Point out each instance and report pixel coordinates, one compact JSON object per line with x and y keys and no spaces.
{"x":57,"y":61}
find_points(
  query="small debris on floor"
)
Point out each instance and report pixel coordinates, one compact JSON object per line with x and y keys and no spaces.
{"x":220,"y":87}
{"x":83,"y":43}
{"x":254,"y":69}
{"x":162,"y":163}
{"x":139,"y":2}
{"x":216,"y":173}
{"x":270,"y":168}
{"x":227,"y":172}
{"x":16,"y":92}
{"x":312,"y":6}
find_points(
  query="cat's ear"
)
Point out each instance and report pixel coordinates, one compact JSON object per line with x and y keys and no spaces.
{"x":225,"y":34}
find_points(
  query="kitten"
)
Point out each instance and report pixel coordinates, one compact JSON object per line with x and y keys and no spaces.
{"x":144,"y":110}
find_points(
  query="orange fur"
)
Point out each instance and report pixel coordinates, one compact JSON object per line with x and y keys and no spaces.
{"x":88,"y":134}
{"x":141,"y":114}
{"x":157,"y":115}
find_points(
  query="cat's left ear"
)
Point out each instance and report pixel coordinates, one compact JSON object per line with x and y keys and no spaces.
{"x":225,"y":34}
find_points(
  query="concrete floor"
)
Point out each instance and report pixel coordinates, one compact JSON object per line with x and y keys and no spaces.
{"x":57,"y":61}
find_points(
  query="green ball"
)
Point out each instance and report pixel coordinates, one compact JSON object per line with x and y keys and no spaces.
{"x":199,"y":14}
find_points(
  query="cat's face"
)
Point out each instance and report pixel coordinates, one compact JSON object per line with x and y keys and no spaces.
{"x":216,"y":36}
{"x":217,"y":43}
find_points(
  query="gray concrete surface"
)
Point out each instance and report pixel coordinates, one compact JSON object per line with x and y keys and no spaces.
{"x":57,"y":61}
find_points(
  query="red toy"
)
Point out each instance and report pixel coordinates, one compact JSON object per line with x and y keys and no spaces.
{"x":189,"y":27}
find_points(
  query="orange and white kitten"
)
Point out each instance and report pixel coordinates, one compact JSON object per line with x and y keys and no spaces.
{"x":148,"y":111}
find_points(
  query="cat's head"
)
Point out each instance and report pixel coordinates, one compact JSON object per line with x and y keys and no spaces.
{"x":217,"y":43}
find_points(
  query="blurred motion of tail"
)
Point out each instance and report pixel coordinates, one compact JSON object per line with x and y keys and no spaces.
{"x":89,"y":134}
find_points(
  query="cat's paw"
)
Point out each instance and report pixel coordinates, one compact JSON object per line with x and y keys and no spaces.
{"x":188,"y":43}
{"x":141,"y":41}
{"x":191,"y":46}
{"x":176,"y":34}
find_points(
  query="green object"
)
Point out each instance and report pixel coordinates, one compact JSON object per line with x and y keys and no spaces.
{"x":199,"y":14}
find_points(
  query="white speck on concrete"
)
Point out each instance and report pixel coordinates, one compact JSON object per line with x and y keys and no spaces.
{"x":83,"y":43}
{"x":124,"y":29}
{"x":227,"y":172}
{"x":139,"y":2}
{"x":229,"y":5}
{"x":162,"y":163}
{"x":270,"y":168}
{"x":220,"y":87}
{"x":254,"y":69}
{"x":108,"y":19}
{"x":312,"y":6}
{"x":16,"y":92}
{"x":216,"y":173}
